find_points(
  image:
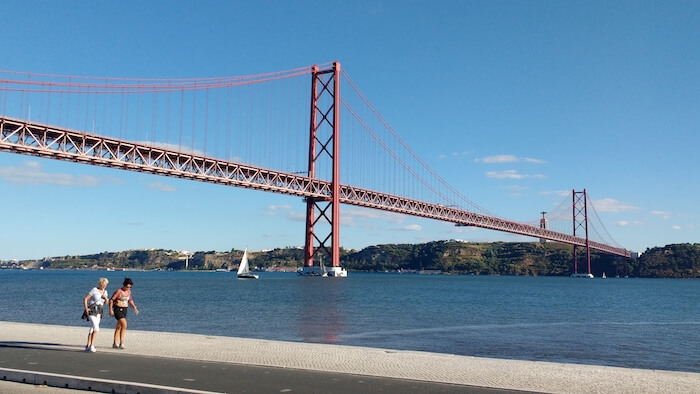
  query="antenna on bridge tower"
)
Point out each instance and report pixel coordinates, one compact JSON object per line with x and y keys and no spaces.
{"x":324,"y":146}
{"x":580,"y":215}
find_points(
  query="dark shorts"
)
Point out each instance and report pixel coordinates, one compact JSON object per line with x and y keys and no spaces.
{"x":120,"y":312}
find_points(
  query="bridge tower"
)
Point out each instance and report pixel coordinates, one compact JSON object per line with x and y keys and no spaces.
{"x":323,"y":230}
{"x":544,"y":224}
{"x":580,"y":215}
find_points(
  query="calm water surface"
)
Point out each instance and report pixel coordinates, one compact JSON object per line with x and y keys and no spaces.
{"x":639,"y":323}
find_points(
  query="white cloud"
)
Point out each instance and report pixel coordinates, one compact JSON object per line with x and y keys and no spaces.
{"x":349,"y":216}
{"x":611,"y":205}
{"x":512,"y":174}
{"x":662,"y":214}
{"x":31,"y":173}
{"x":453,"y":154}
{"x":676,"y":227}
{"x":507,"y":174}
{"x":279,"y":207}
{"x":271,"y":210}
{"x":463,"y":229}
{"x":411,"y":227}
{"x":296,"y":216}
{"x":508,"y":159}
{"x":497,"y":159}
{"x":624,"y":223}
{"x":161,"y":187}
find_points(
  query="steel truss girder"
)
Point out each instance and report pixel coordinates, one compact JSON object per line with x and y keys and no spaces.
{"x":370,"y":199}
{"x":39,"y":140}
{"x":34,"y":139}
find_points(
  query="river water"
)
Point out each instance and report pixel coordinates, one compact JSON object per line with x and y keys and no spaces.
{"x":638,"y":323}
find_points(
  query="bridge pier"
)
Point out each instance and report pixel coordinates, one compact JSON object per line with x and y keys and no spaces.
{"x":337,"y":272}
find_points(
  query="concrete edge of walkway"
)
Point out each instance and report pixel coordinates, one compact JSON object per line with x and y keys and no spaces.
{"x":538,"y":376}
{"x":89,"y":384}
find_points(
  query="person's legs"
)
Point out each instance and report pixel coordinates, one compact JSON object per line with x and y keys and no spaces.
{"x":92,"y":334}
{"x":95,"y":329}
{"x":117,"y":331}
{"x":122,"y":332}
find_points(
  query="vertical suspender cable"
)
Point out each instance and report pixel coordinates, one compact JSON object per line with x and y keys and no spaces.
{"x":194,"y":116}
{"x":168,"y":96}
{"x":182,"y":110}
{"x":206,"y":119}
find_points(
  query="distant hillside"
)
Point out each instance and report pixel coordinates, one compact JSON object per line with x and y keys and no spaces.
{"x":497,"y":258}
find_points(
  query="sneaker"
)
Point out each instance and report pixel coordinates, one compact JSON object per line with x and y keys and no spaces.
{"x":87,"y":348}
{"x":122,"y":346}
{"x":92,"y":349}
{"x":114,"y":346}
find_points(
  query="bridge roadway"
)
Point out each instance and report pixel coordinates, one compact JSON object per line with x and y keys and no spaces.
{"x":156,"y":362}
{"x":35,"y":139}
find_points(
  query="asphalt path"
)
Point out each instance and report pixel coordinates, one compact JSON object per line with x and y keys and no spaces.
{"x":159,"y":374}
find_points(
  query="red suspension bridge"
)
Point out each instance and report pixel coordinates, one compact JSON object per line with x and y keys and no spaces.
{"x":266,"y":132}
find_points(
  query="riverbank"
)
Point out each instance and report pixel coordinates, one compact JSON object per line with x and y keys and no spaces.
{"x":411,"y":365}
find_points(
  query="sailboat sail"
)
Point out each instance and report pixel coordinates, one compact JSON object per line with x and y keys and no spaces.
{"x":243,"y":270}
{"x":243,"y":266}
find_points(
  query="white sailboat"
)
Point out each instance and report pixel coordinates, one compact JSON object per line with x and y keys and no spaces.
{"x":243,"y":270}
{"x":323,"y":268}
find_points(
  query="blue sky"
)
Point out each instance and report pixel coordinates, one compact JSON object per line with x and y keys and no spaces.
{"x":512,"y":103}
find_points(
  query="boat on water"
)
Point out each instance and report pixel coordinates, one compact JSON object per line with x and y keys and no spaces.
{"x":604,"y":275}
{"x":338,"y":272}
{"x":223,"y":270}
{"x":322,"y":271}
{"x":243,"y":270}
{"x":582,"y":275}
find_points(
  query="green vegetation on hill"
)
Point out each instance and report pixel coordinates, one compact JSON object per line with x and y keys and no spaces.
{"x":498,"y":258}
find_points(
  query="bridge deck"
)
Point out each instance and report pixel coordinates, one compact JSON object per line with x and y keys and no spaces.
{"x":36,"y":139}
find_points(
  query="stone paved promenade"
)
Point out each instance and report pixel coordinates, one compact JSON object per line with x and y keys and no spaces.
{"x":439,"y":372}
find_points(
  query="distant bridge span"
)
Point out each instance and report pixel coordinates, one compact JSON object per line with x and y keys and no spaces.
{"x":35,"y":139}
